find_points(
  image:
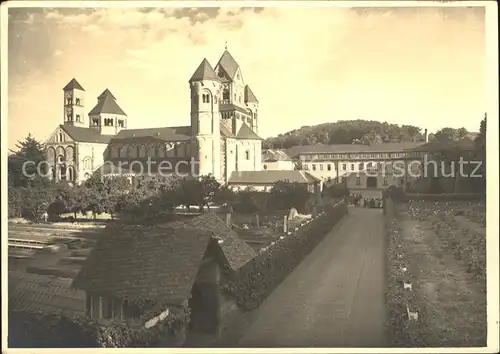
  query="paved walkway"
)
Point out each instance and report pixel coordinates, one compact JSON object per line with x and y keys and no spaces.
{"x":335,"y":297}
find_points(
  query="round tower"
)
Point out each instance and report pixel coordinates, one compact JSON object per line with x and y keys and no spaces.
{"x":205,"y":89}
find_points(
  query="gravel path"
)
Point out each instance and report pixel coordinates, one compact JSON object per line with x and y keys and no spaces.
{"x":335,"y":297}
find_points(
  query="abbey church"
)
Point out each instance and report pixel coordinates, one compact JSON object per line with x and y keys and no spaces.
{"x":222,"y":137}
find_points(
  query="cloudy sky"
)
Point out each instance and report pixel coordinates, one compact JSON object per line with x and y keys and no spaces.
{"x":421,"y":66}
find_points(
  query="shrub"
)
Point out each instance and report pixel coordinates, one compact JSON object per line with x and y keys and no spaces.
{"x":29,"y":329}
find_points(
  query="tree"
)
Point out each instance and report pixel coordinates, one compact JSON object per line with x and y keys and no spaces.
{"x":28,"y":154}
{"x":36,"y":202}
{"x":480,"y":143}
{"x":200,"y":192}
{"x":451,"y":134}
{"x":103,"y":193}
{"x":224,"y":195}
{"x":287,"y":195}
{"x":346,"y":132}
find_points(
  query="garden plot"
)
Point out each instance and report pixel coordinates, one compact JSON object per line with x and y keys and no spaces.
{"x":448,"y":268}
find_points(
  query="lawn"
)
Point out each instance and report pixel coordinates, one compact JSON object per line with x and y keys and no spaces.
{"x":445,"y":246}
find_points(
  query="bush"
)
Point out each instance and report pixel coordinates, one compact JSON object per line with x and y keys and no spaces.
{"x":52,"y":330}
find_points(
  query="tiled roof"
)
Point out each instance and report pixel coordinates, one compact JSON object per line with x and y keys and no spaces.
{"x":236,"y":251}
{"x":275,"y":155}
{"x":204,"y":72}
{"x":73,"y":84}
{"x":249,"y":95}
{"x":271,"y":177}
{"x":158,"y":263}
{"x":85,"y":135}
{"x":246,"y":132}
{"x":464,"y":144}
{"x":229,"y":107}
{"x":106,"y":103}
{"x":228,"y":63}
{"x":226,"y":132}
{"x":35,"y":292}
{"x":346,"y":148}
{"x":164,"y":134}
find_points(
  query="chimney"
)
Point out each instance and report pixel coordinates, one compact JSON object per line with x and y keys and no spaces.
{"x":425,"y":135}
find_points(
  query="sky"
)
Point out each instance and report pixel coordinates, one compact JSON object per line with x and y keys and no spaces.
{"x":307,"y":65}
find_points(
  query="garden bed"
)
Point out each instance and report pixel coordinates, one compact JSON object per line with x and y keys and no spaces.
{"x":446,"y":266}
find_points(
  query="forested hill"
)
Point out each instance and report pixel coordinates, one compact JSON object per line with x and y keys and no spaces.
{"x":346,"y":132}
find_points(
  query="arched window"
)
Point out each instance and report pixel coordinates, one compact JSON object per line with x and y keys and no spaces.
{"x":87,"y":163}
{"x":71,"y":174}
{"x":247,"y":155}
{"x":206,"y":98}
{"x":61,"y":137}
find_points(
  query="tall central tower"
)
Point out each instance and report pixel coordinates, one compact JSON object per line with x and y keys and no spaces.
{"x":205,"y":89}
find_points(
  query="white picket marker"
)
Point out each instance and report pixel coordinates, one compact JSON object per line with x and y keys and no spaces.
{"x":412,"y":315}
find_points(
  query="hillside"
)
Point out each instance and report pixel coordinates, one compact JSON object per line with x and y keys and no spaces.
{"x":346,"y":132}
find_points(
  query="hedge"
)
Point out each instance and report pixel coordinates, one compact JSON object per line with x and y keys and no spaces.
{"x":30,"y":329}
{"x":251,"y":285}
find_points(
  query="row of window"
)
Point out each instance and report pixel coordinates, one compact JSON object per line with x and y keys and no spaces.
{"x":352,"y":167}
{"x":63,"y":173}
{"x":78,"y":118}
{"x":69,"y":101}
{"x":384,"y":181}
{"x":108,"y":122}
{"x":358,"y":156}
{"x":205,"y":98}
{"x":183,"y":150}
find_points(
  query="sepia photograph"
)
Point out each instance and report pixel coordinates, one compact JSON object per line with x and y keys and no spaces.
{"x":250,"y":174}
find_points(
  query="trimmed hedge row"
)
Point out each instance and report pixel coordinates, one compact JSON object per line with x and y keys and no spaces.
{"x":29,"y":329}
{"x":401,"y":331}
{"x":251,"y":285}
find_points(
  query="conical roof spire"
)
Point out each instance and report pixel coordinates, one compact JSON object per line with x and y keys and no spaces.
{"x":106,"y":103}
{"x":73,"y":85}
{"x":204,"y":72}
{"x":228,"y":63}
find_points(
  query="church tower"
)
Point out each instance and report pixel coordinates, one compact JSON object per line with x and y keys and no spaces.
{"x":205,"y":89}
{"x":107,"y":116}
{"x":74,"y":110}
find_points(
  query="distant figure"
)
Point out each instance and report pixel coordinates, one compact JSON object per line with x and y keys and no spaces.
{"x":362,"y":202}
{"x":45,"y":217}
{"x":293,"y":214}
